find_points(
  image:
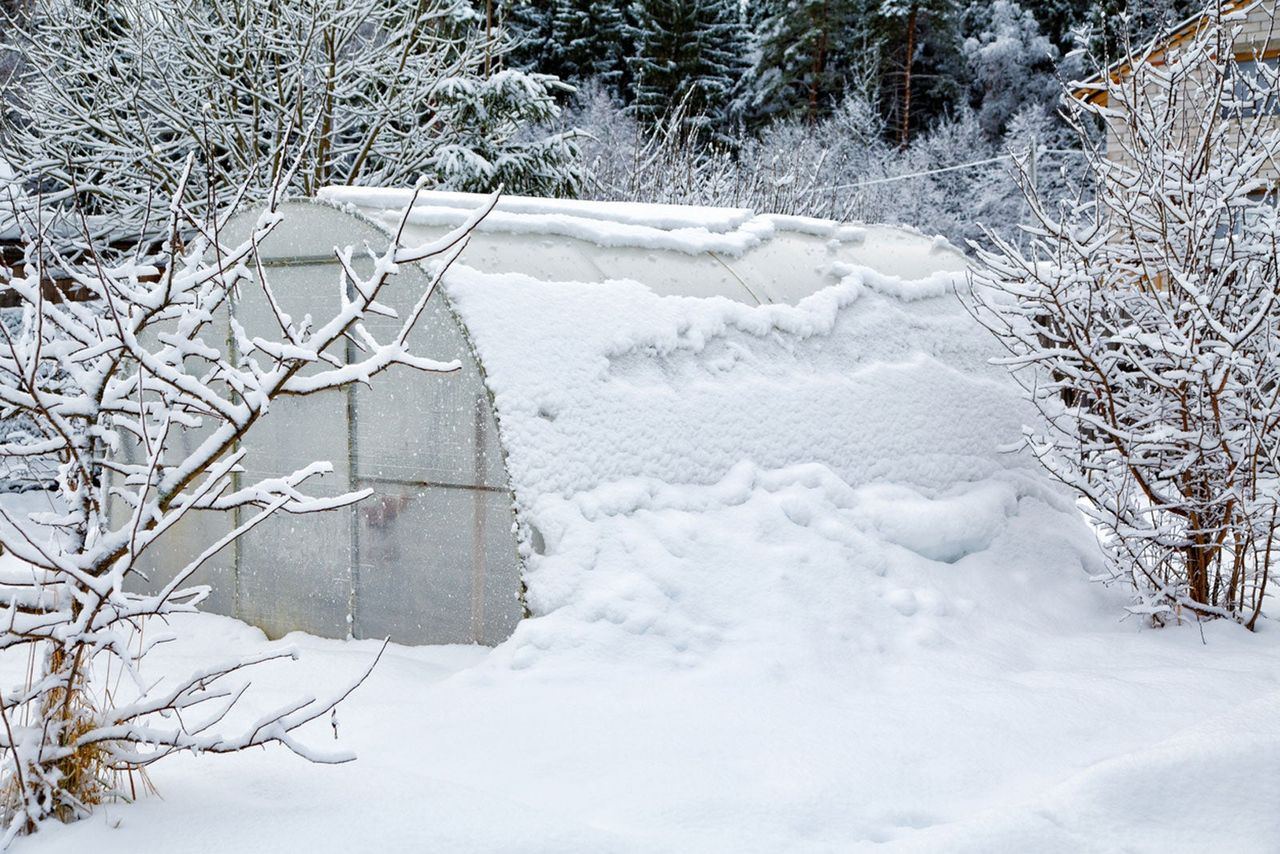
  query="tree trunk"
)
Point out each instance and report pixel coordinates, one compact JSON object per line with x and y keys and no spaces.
{"x":819,"y":62}
{"x":904,"y":132}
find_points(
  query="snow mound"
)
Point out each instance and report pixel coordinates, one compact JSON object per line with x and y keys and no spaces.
{"x":702,"y":481}
{"x":783,"y":566}
{"x":593,"y":384}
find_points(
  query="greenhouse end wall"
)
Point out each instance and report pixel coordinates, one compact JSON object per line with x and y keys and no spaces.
{"x":431,"y":555}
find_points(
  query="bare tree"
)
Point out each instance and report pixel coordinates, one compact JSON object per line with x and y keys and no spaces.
{"x":144,"y":393}
{"x":1144,"y":323}
{"x":111,"y":96}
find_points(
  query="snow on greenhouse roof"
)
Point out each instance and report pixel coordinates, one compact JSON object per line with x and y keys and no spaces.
{"x":722,"y":336}
{"x":690,"y":472}
{"x":673,"y":249}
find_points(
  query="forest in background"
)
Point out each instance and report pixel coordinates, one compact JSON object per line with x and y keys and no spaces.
{"x":821,"y":107}
{"x":915,"y":112}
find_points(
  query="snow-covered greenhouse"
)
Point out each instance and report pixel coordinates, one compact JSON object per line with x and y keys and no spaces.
{"x":599,"y":342}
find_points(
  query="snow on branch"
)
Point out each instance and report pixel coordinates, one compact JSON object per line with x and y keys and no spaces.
{"x":114,"y":97}
{"x":144,"y":400}
{"x":1143,"y":322}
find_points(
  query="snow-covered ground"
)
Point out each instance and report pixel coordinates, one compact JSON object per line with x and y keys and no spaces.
{"x":990,"y":705}
{"x":790,"y":593}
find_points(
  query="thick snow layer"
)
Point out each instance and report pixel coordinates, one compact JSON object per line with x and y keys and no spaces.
{"x":788,"y":593}
{"x":759,"y":675}
{"x":596,"y":383}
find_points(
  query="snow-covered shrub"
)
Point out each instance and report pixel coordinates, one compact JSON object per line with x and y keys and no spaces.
{"x":949,"y":181}
{"x":669,"y":161}
{"x":110,"y":98}
{"x":1144,"y":323}
{"x":144,"y":395}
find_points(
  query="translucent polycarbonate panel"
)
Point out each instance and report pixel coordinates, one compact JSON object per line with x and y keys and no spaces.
{"x":295,"y":570}
{"x":297,"y":432}
{"x":570,"y":259}
{"x":437,"y":565}
{"x":295,"y":574}
{"x":306,"y":231}
{"x":903,"y":253}
{"x":196,"y":531}
{"x":418,"y":427}
{"x":786,"y":269}
{"x":298,"y":291}
{"x":671,"y":249}
{"x":431,"y":556}
{"x":669,"y":273}
{"x":567,"y":259}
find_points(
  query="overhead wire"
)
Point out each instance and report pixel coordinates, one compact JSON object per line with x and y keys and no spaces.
{"x":926,"y":173}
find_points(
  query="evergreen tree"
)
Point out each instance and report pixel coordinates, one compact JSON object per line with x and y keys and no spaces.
{"x":808,"y":53}
{"x":687,"y":52}
{"x":592,"y":40}
{"x":924,"y":72}
{"x":575,"y":40}
{"x":527,"y":27}
{"x":1060,"y":20}
{"x":1011,"y":63}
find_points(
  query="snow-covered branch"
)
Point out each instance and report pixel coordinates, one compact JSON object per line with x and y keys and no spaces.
{"x":1144,"y":323}
{"x":144,"y":394}
{"x":112,"y":99}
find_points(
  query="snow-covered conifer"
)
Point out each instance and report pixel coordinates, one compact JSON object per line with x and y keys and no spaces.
{"x":923,"y":70}
{"x":806,"y":54}
{"x":575,"y":40}
{"x":687,"y":52}
{"x":1011,"y":62}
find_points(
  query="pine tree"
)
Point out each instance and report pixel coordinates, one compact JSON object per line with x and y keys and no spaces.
{"x":1060,"y":20}
{"x":575,"y":40}
{"x":592,"y":39}
{"x":1011,"y":63}
{"x":924,"y":71}
{"x":807,"y":52}
{"x":527,"y":26}
{"x":689,"y":53}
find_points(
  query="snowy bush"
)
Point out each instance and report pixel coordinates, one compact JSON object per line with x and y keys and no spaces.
{"x":838,"y":168}
{"x":1144,"y":322}
{"x":144,"y":396}
{"x":110,"y":98}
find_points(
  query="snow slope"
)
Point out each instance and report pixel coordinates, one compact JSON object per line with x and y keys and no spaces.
{"x":788,"y":594}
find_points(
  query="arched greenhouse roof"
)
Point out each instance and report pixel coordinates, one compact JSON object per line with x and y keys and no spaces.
{"x":674,"y":250}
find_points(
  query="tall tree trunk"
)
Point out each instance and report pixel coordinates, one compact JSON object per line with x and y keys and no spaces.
{"x":488,"y":39}
{"x":904,"y":132}
{"x":819,"y":61}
